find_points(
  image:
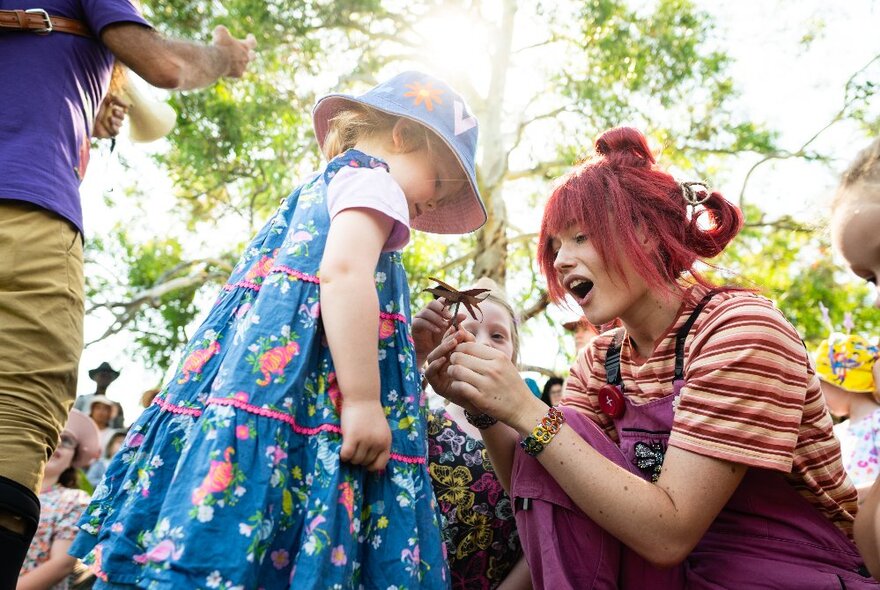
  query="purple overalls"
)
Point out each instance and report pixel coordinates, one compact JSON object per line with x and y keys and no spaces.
{"x":766,"y":536}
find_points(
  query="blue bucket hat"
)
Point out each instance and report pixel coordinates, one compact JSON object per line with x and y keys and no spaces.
{"x":434,"y":104}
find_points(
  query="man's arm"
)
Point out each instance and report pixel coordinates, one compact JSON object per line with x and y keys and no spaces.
{"x":174,"y":64}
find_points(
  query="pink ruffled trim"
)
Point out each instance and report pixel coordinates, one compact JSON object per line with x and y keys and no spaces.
{"x":245,"y":284}
{"x":175,"y":409}
{"x":274,"y":414}
{"x":279,"y":268}
{"x":295,"y":273}
{"x":397,"y":317}
{"x":288,"y":419}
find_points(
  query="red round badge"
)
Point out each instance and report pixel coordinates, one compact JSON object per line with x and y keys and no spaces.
{"x":611,"y":400}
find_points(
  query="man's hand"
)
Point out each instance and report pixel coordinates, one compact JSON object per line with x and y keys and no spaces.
{"x":109,"y":119}
{"x":239,"y":53}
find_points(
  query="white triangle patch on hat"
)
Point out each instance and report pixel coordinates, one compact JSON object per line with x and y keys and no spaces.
{"x":463,"y":124}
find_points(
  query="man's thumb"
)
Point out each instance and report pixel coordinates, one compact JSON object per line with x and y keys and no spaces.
{"x":220,"y":33}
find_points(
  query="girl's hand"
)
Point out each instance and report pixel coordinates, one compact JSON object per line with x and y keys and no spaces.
{"x":366,"y":437}
{"x":437,"y":372}
{"x":428,"y":327}
{"x":486,"y":379}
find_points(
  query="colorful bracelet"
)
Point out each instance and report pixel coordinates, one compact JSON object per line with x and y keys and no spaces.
{"x":481,"y":421}
{"x":544,"y":432}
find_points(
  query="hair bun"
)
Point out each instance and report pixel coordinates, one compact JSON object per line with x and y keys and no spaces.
{"x":626,"y":144}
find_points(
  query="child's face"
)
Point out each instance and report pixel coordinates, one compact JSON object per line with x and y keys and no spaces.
{"x":493,"y":328}
{"x":425,"y":178}
{"x":856,"y":229}
{"x":602,"y":293}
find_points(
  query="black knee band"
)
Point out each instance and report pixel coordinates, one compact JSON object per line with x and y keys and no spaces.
{"x":20,"y":501}
{"x":17,"y":500}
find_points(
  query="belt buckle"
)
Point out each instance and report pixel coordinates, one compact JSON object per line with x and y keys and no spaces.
{"x":46,"y":18}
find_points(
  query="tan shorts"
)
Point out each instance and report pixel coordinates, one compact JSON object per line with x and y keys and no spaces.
{"x":41,"y":335}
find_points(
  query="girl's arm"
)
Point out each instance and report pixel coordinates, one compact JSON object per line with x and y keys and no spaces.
{"x":519,"y":577}
{"x":866,"y":529}
{"x":350,"y":314}
{"x":662,"y":522}
{"x":50,"y":572}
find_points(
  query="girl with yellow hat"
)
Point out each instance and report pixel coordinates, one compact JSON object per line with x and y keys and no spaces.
{"x":846,"y":365}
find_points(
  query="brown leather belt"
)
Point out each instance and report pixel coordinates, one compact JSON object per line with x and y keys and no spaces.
{"x":37,"y":20}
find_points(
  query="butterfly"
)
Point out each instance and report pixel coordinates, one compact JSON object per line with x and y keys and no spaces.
{"x":470,"y":298}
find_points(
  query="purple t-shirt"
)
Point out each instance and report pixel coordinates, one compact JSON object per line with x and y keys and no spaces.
{"x":50,"y":89}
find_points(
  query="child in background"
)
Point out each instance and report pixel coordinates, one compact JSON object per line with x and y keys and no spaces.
{"x":47,"y":565}
{"x":293,"y":427}
{"x":552,"y":393}
{"x":479,"y":529}
{"x":855,"y":229}
{"x":845,"y":365}
{"x":99,"y":467}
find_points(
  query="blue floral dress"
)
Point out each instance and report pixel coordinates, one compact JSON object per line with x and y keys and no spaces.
{"x":232,"y":477}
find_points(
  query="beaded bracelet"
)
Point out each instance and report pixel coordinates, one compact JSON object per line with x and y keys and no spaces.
{"x":544,"y":432}
{"x":481,"y":421}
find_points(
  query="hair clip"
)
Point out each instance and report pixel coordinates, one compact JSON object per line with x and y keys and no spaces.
{"x":690,"y":195}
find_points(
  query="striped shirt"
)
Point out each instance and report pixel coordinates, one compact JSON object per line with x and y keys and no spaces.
{"x":751,"y":396}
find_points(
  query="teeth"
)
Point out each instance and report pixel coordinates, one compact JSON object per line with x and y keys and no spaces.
{"x":576,"y":283}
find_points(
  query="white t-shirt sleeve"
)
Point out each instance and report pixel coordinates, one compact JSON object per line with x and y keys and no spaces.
{"x":371,"y":188}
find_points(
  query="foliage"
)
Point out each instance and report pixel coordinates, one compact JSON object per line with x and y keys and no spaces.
{"x":794,"y":267}
{"x":551,"y":75}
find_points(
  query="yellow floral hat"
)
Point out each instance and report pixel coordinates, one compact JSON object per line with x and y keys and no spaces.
{"x":847,"y":361}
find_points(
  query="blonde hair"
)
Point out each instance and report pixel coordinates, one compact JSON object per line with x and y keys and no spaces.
{"x":359,"y":122}
{"x":498,"y":297}
{"x":865,"y":169}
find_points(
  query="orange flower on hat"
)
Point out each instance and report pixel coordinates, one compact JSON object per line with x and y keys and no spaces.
{"x":423,"y":93}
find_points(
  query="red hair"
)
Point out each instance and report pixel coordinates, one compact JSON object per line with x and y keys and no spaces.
{"x":620,"y":191}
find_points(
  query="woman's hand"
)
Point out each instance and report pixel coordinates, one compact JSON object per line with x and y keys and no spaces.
{"x":487,"y":379}
{"x":366,"y":437}
{"x":481,"y":380}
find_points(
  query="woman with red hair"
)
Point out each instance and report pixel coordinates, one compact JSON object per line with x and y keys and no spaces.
{"x":693,"y":449}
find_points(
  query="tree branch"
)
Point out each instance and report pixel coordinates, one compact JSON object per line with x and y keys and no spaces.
{"x":802,"y":151}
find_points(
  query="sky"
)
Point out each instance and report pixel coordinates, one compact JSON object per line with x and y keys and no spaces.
{"x":792,"y":87}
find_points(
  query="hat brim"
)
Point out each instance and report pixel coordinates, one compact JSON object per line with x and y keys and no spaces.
{"x":469,"y":212}
{"x":94,"y":372}
{"x":88,"y":438}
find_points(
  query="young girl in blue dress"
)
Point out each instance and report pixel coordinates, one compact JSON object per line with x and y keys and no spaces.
{"x":288,"y":450}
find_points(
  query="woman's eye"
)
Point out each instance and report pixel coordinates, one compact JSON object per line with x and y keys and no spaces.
{"x":580,"y":239}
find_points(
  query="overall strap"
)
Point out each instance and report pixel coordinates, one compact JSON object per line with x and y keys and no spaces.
{"x":37,"y":20}
{"x":682,"y":334}
{"x":612,"y":359}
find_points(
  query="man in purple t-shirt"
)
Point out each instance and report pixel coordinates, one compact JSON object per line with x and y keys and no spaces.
{"x":51,"y":86}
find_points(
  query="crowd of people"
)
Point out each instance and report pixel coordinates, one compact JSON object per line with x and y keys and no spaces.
{"x":691,"y":445}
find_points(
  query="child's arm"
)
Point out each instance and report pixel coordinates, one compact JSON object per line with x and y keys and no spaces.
{"x":518,"y":578}
{"x":52,"y":571}
{"x":350,"y":313}
{"x":866,"y":529}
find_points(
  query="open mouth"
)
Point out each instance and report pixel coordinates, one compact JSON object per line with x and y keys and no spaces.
{"x":580,"y":287}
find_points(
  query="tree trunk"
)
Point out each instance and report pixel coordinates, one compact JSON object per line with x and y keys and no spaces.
{"x":491,"y":254}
